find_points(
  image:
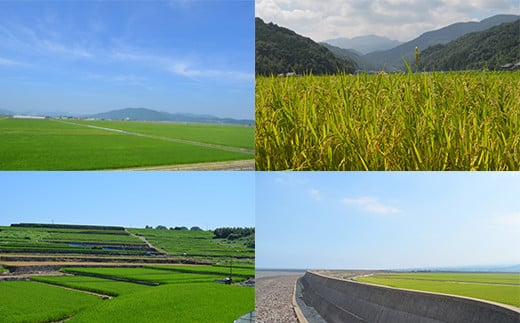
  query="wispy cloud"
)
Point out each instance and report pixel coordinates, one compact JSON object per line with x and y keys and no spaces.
{"x":371,"y":205}
{"x":181,"y":66}
{"x":9,"y":62}
{"x":315,"y":194}
{"x":65,"y":50}
{"x":509,"y":219}
{"x":118,"y":78}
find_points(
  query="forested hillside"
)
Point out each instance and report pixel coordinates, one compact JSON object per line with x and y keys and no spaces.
{"x":487,"y":49}
{"x":280,"y":50}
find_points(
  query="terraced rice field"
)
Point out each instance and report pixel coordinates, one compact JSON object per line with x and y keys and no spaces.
{"x":24,"y":301}
{"x":193,"y":243}
{"x":496,"y":287}
{"x":67,"y":240}
{"x":180,"y":297}
{"x":58,"y":145}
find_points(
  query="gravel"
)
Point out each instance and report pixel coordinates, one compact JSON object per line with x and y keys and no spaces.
{"x":274,"y":297}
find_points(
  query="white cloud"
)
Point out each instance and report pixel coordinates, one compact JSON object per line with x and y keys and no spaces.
{"x":396,"y":19}
{"x":8,"y":62}
{"x":69,"y":51}
{"x":181,"y":66}
{"x":508,"y":219}
{"x":315,"y":194}
{"x":371,"y":205}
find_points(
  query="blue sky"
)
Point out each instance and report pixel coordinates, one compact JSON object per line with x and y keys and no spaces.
{"x":378,"y":220}
{"x":131,"y":199}
{"x":86,"y":57}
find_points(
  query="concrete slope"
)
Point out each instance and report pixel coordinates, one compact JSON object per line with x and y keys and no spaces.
{"x":349,"y":301}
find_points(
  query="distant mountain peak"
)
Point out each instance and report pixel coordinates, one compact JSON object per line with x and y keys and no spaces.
{"x":364,"y":44}
{"x":146,"y":114}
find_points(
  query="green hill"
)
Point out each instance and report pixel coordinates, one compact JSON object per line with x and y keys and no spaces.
{"x":392,"y":58}
{"x":486,"y":49}
{"x":143,"y":114}
{"x":280,"y":50}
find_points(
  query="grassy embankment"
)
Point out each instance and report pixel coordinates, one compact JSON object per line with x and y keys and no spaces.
{"x":496,"y":287}
{"x":428,"y":121}
{"x":54,"y":145}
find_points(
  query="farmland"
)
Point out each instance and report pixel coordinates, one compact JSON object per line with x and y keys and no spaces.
{"x":24,"y":301}
{"x":179,"y":298}
{"x":131,"y":280}
{"x":197,"y":244}
{"x":496,"y":287}
{"x":28,"y":144}
{"x":423,"y":121}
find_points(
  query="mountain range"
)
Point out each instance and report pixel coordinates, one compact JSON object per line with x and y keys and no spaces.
{"x":144,"y":114}
{"x":392,"y":58}
{"x":488,"y":49}
{"x":364,"y":44}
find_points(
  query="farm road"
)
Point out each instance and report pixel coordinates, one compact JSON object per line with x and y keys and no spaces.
{"x":246,"y":164}
{"x":143,"y":239}
{"x":182,"y":141}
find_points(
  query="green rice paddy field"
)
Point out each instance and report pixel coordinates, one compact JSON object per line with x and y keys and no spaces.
{"x":496,"y":287}
{"x":426,"y":121}
{"x":23,"y":239}
{"x":193,"y":243}
{"x":180,"y":297}
{"x":49,"y":144}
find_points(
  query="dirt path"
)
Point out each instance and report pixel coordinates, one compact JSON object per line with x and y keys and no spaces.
{"x":14,"y":276}
{"x":248,"y":164}
{"x":143,"y":239}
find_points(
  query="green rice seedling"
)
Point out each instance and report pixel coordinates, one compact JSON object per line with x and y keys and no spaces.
{"x":145,"y":274}
{"x":409,"y":121}
{"x":92,"y":284}
{"x":199,"y":302}
{"x":501,"y":288}
{"x":24,"y":301}
{"x":53,"y":145}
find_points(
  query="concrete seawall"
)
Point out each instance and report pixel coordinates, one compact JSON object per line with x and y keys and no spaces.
{"x":349,"y":301}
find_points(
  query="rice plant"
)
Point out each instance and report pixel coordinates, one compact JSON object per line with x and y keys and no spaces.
{"x":412,"y":121}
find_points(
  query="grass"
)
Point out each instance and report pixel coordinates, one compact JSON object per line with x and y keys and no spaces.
{"x":146,"y":274}
{"x":52,"y":145}
{"x":193,"y":243}
{"x":24,"y":301}
{"x":200,"y":302}
{"x":239,"y":273}
{"x":3,"y":270}
{"x":93,"y":284}
{"x":56,"y":239}
{"x":227,"y":135}
{"x":501,"y":288}
{"x":182,"y":297}
{"x":428,"y":121}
